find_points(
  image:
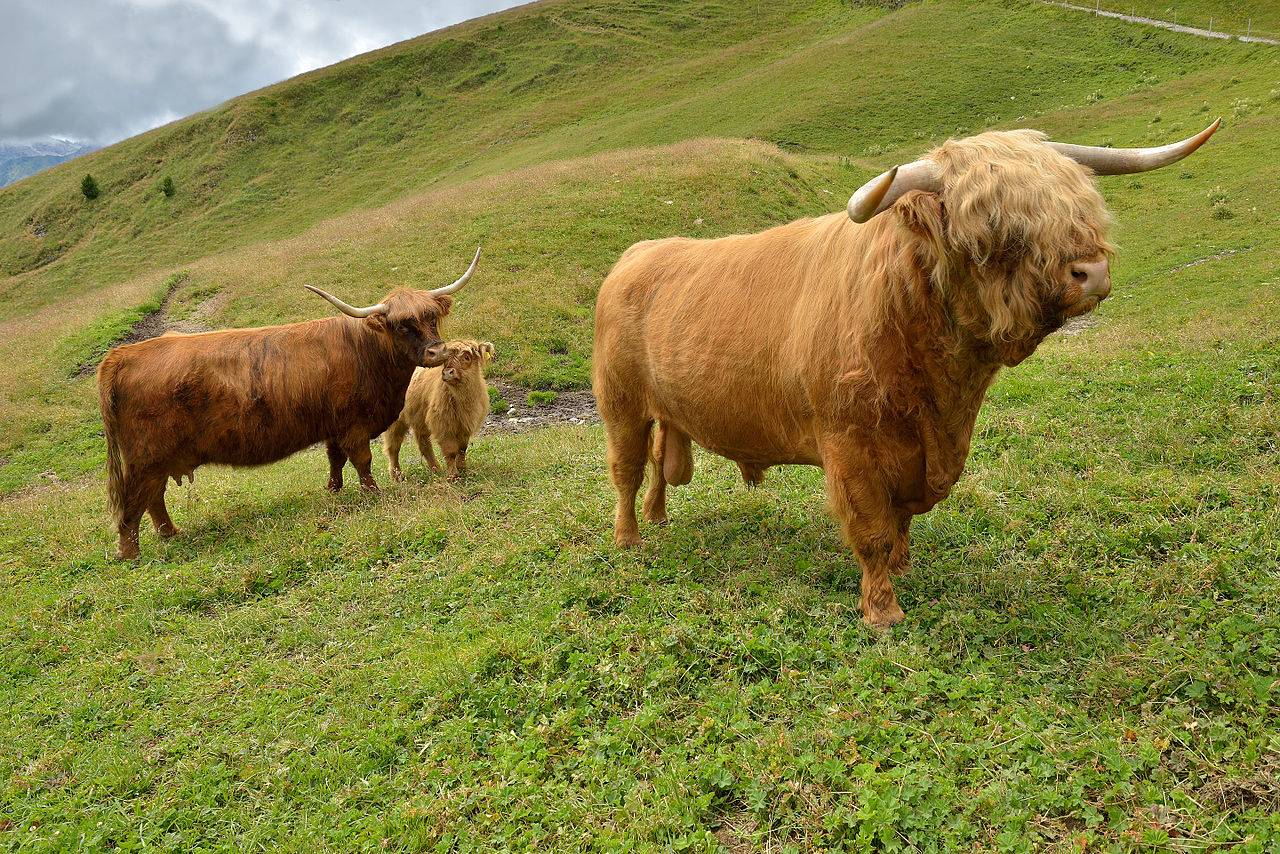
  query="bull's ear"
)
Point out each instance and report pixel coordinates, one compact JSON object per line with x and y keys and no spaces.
{"x":924,"y":216}
{"x":446,"y":303}
{"x":378,"y":321}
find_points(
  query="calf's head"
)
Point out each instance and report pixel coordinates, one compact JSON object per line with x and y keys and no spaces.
{"x":408,"y":320}
{"x":463,"y":358}
{"x":1011,"y":229}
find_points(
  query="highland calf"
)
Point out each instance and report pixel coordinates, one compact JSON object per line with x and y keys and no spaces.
{"x":247,"y":397}
{"x":859,"y":343}
{"x":448,"y":404}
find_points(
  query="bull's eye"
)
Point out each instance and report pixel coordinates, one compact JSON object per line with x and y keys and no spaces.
{"x":1080,"y":276}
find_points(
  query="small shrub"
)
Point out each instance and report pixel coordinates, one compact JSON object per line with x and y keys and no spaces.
{"x":166,"y":187}
{"x":89,"y":187}
{"x":541,"y":398}
{"x":497,"y":403}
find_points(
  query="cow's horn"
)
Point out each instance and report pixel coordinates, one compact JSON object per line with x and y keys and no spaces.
{"x":878,"y":194}
{"x":462,"y":280}
{"x":349,"y":310}
{"x":1125,"y":161}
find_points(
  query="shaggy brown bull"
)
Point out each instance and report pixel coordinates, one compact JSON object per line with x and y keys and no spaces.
{"x":862,"y":344}
{"x":246,"y":397}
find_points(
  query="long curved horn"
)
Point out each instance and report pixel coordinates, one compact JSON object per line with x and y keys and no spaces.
{"x":349,"y":310}
{"x":1126,"y":161}
{"x":878,"y":194}
{"x":448,"y":289}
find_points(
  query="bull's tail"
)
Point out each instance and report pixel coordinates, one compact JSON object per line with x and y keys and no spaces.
{"x":110,"y":429}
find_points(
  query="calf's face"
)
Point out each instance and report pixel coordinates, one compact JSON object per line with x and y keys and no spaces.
{"x":463,"y":357}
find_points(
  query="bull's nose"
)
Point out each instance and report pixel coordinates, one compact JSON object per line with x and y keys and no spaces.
{"x":1093,"y":277}
{"x":434,"y":355}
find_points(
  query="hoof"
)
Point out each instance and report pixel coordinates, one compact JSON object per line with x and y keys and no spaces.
{"x":655,"y":519}
{"x":370,"y":487}
{"x":397,"y":475}
{"x":168,"y":532}
{"x":334,"y":486}
{"x":885,"y":618}
{"x":626,"y":541}
{"x":127,"y":552}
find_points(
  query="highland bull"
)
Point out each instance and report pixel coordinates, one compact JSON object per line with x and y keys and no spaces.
{"x":247,"y":397}
{"x":860,"y":342}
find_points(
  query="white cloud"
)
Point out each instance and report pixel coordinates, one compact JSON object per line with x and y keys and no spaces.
{"x":100,"y":70}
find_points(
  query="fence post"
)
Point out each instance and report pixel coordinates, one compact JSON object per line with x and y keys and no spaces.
{"x":1210,"y":25}
{"x":1248,"y":28}
{"x":1097,"y":7}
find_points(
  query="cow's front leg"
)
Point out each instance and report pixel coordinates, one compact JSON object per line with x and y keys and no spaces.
{"x":337,"y":459}
{"x":357,"y":450}
{"x":875,"y":531}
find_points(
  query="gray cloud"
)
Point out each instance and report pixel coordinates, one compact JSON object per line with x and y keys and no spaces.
{"x":101,"y":70}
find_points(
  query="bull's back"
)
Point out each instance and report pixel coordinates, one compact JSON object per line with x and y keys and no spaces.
{"x":701,"y":331}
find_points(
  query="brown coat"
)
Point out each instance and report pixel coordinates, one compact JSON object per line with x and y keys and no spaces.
{"x":864,"y":349}
{"x":448,"y":404}
{"x":247,"y":397}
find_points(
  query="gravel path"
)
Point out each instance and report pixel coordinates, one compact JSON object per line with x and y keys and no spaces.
{"x":1168,"y":25}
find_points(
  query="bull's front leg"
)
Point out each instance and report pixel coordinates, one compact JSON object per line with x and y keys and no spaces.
{"x":337,"y":459}
{"x":876,"y":531}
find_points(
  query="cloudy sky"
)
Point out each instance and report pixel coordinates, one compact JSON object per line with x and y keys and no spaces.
{"x":101,"y":70}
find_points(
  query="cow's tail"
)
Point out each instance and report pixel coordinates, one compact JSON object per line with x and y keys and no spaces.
{"x":111,"y":430}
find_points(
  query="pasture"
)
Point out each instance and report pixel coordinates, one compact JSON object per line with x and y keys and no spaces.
{"x":1091,"y":656}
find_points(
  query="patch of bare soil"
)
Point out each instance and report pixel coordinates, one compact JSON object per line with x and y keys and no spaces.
{"x":569,"y":407}
{"x":152,"y":325}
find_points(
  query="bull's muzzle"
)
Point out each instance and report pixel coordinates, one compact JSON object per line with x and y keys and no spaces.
{"x":1093,"y":277}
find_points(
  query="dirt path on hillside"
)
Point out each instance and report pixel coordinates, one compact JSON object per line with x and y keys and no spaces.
{"x":1167,"y":25}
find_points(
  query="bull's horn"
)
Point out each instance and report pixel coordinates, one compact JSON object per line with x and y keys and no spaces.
{"x":349,"y":310}
{"x":1125,"y":161}
{"x":462,"y":280}
{"x":878,"y":194}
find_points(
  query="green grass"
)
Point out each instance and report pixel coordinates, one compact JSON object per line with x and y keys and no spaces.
{"x":1092,"y":649}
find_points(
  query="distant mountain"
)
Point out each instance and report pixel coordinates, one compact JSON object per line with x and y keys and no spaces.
{"x":18,"y":160}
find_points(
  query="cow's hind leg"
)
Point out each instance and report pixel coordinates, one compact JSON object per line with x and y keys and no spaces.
{"x":138,"y":495}
{"x":337,"y":459}
{"x":628,"y":439}
{"x":873,"y":528}
{"x":160,"y":514}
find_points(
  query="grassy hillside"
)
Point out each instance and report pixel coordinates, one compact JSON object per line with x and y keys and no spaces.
{"x":1092,"y":651}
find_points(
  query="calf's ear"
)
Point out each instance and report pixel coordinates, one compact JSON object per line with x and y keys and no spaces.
{"x":486,"y":352}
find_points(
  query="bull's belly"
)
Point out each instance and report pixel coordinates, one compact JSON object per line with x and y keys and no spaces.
{"x":759,"y":436}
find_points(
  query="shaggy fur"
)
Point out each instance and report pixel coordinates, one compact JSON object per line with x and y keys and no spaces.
{"x":246,"y":397}
{"x":448,"y":404}
{"x":863,"y":349}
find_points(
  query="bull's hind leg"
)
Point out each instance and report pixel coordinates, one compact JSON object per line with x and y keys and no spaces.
{"x":873,"y":528}
{"x":655,"y":497}
{"x":337,"y":459}
{"x":628,"y":439}
{"x":160,"y":514}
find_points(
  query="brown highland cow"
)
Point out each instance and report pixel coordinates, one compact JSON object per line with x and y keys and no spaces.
{"x":860,"y":343}
{"x":247,"y":397}
{"x":447,"y":404}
